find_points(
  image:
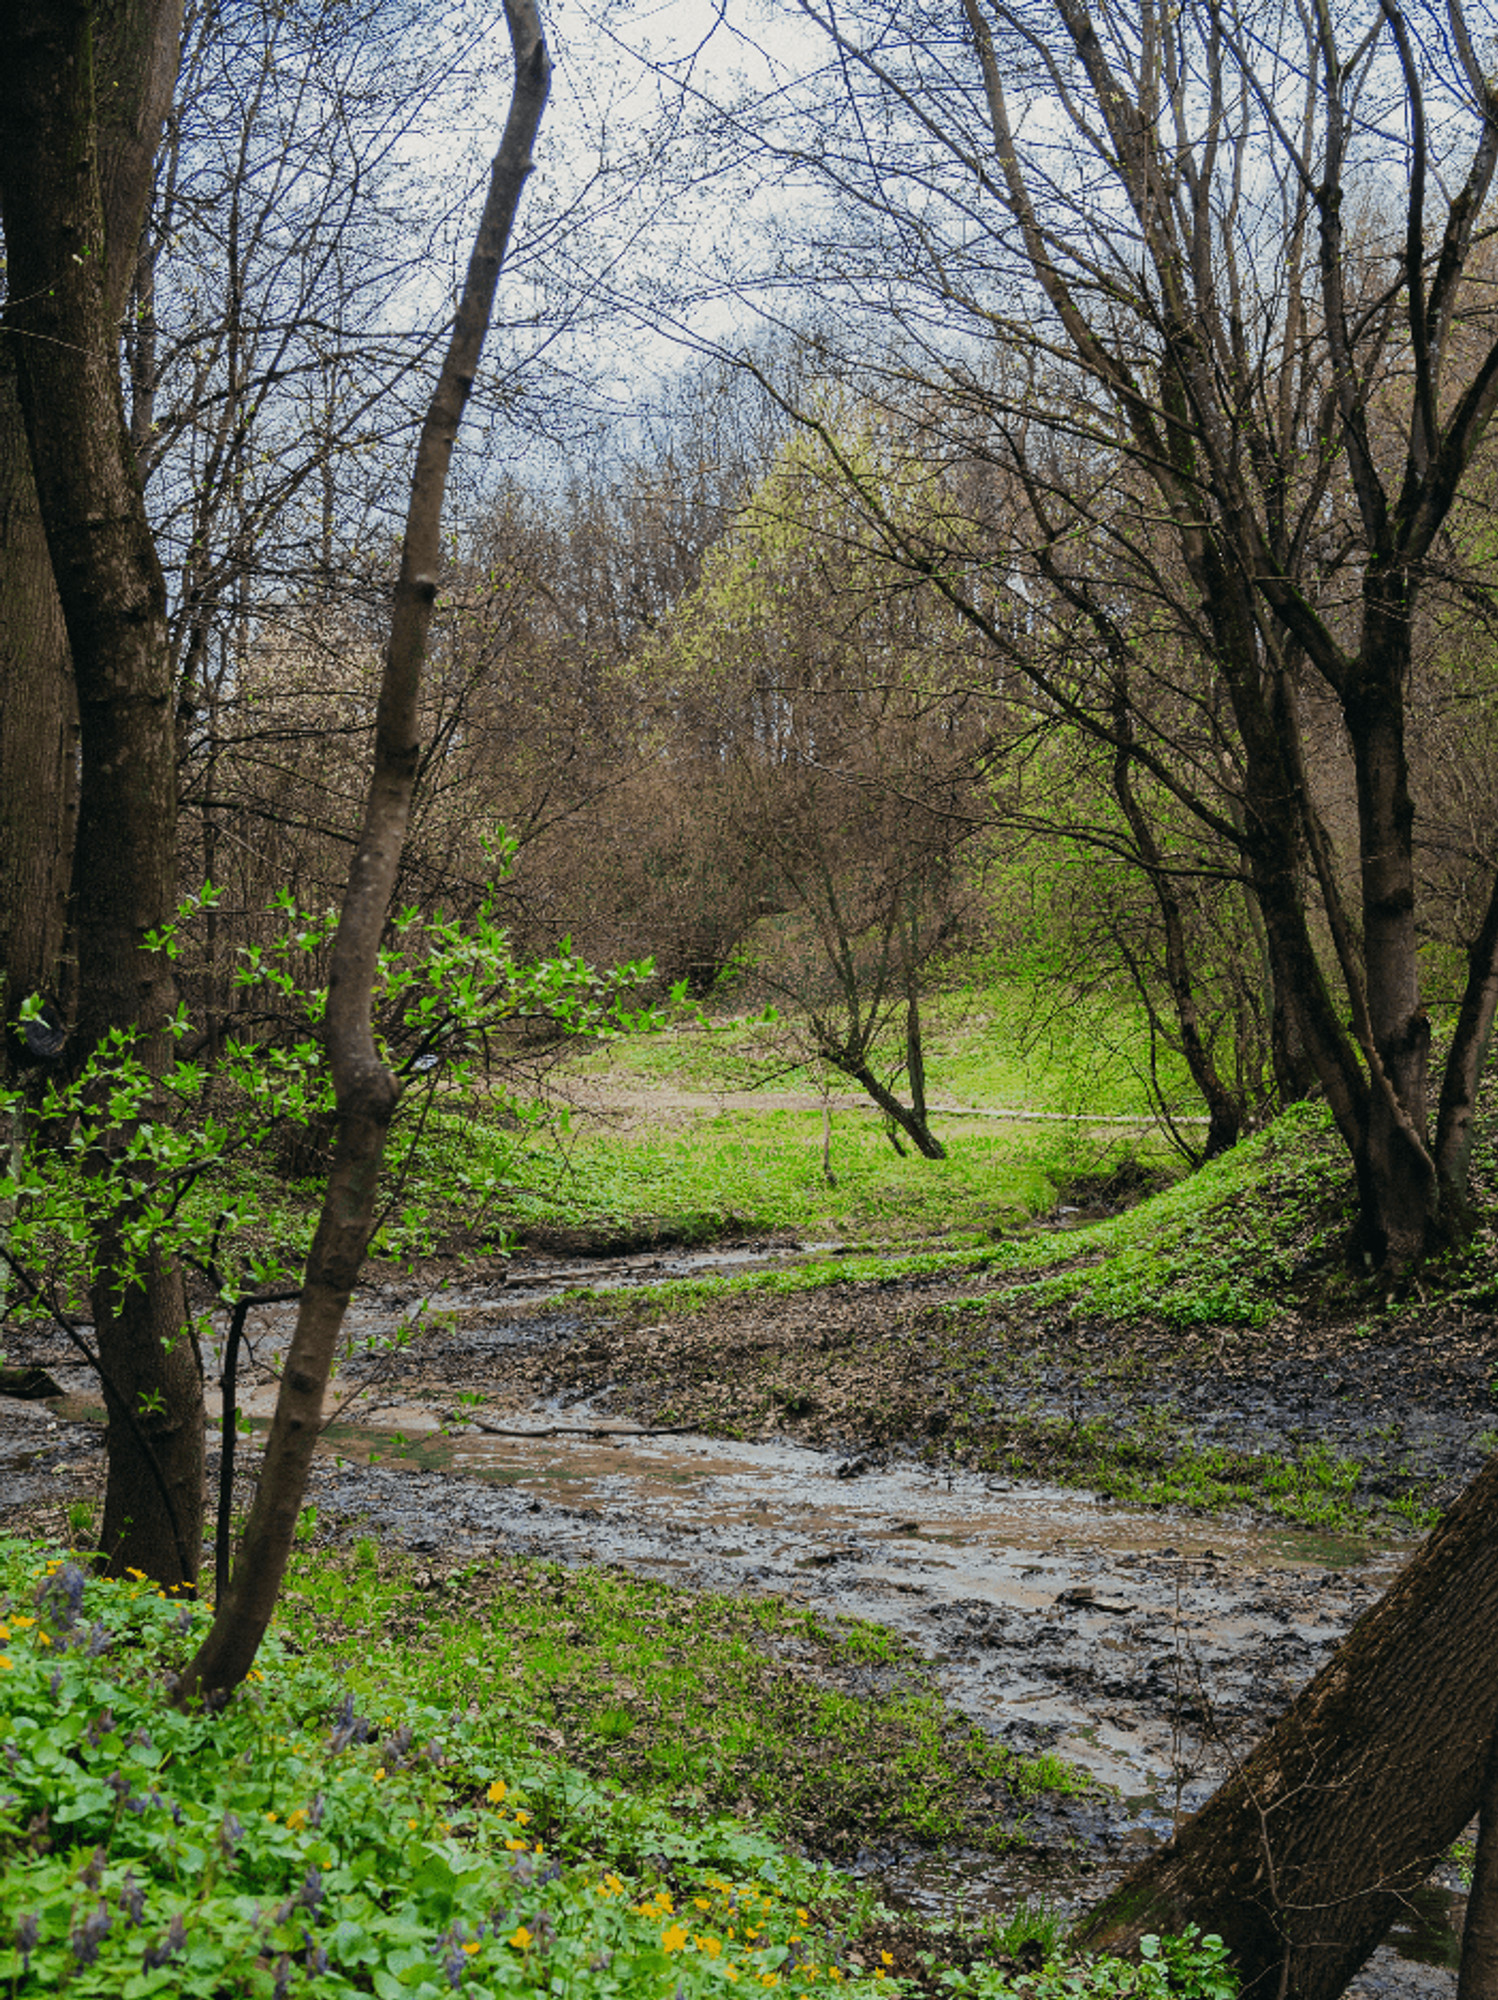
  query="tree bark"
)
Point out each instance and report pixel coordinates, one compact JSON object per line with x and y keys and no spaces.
{"x":69,"y":266}
{"x":38,"y":734}
{"x":365,"y":1089}
{"x":1300,"y":1861}
{"x":911,"y":1123}
{"x":1477,"y":1978}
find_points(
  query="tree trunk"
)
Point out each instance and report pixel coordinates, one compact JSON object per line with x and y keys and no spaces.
{"x":38,"y":724}
{"x":1224,"y":1111}
{"x":153,"y":1394}
{"x":1396,"y":1171}
{"x":910,"y":1123}
{"x":365,"y":1089}
{"x":1301,"y":1860}
{"x":1478,"y":1976}
{"x":1455,"y":1121}
{"x":69,"y":266}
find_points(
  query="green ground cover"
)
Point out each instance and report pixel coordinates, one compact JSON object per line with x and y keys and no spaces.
{"x":828,"y":1731}
{"x":347,"y":1826}
{"x":989,"y":1041}
{"x":462,"y":1173}
{"x":756,"y":1172}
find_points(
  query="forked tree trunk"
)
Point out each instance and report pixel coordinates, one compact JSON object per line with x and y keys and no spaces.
{"x":910,"y":1121}
{"x":1301,"y":1860}
{"x":366,"y":1090}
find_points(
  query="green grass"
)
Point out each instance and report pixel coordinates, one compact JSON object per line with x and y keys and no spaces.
{"x":761,"y":1171}
{"x":998,"y":1043}
{"x":829,"y":1732}
{"x":1218,"y":1247}
{"x":335,"y":1830}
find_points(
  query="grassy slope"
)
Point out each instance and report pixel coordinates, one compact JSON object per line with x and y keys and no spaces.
{"x":700,"y":1170}
{"x":1096,"y":1357}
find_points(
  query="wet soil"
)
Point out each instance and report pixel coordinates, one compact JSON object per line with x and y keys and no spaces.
{"x":1149,"y":1646}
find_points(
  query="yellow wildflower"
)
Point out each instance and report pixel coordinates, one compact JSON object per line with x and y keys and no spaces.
{"x":769,"y":1979}
{"x":731,"y":1972}
{"x":4,"y":1634}
{"x":472,"y":1946}
{"x":711,"y":1945}
{"x":885,"y":1958}
{"x":515,"y":1846}
{"x":6,"y":1662}
{"x":138,"y":1574}
{"x":272,"y":1817}
{"x":379,"y":1774}
{"x":412,"y":1824}
{"x":42,"y":1639}
{"x":674,"y":1938}
{"x":496,"y":1792}
{"x":21,"y":1622}
{"x":835,"y":1972}
{"x":297,"y":1819}
{"x":522,"y":1819}
{"x":520,"y":1938}
{"x":803,"y":1916}
{"x":701,"y":1903}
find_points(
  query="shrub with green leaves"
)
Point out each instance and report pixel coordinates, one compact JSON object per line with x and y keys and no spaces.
{"x":288,"y":1843}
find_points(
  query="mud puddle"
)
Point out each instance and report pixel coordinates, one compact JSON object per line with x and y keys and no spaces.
{"x":1146,"y":1648}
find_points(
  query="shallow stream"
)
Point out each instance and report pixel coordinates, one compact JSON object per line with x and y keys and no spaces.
{"x":1147,"y":1647}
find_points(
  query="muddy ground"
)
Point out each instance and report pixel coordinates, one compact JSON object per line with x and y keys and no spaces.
{"x":838,"y":1446}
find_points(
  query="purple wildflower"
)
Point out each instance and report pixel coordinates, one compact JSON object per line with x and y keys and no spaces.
{"x":60,"y":1596}
{"x":132,"y":1898}
{"x":230,"y":1834}
{"x":395,"y":1749}
{"x":283,"y":1978}
{"x":90,"y":1933}
{"x":100,"y":1639}
{"x":310,"y":1895}
{"x":28,"y":1930}
{"x":348,"y":1728}
{"x":99,"y":1728}
{"x":93,"y":1873}
{"x":170,"y":1947}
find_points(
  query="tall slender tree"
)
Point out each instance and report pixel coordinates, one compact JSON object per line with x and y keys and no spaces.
{"x":83,"y":92}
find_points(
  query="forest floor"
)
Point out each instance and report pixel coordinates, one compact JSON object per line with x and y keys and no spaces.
{"x":1043,"y":1524}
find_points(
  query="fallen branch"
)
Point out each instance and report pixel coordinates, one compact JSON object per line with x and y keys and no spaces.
{"x":566,"y":1430}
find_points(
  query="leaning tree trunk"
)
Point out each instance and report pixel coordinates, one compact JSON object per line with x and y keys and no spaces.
{"x":1303,"y":1858}
{"x":81,"y":108}
{"x":910,"y":1120}
{"x":365,"y":1089}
